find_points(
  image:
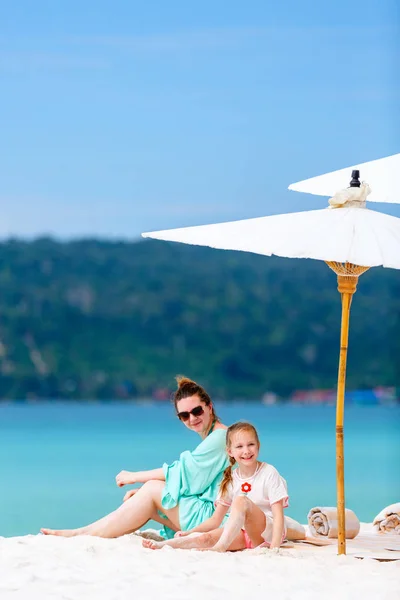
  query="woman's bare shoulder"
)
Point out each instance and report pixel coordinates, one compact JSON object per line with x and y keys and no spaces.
{"x":220,"y":426}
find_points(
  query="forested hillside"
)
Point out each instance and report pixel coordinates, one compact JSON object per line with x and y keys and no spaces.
{"x":96,"y":319}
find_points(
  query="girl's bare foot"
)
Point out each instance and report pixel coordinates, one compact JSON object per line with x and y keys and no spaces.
{"x":152,"y":544}
{"x":215,"y":548}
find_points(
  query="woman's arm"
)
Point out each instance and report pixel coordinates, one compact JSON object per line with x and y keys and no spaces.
{"x":278,"y":524}
{"x":212,"y":523}
{"x":131,"y":477}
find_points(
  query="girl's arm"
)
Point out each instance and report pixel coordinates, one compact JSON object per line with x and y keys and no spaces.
{"x":278,"y":524}
{"x":131,"y":477}
{"x":212,"y":523}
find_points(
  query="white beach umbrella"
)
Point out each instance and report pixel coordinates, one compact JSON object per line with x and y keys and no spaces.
{"x":381,"y":175}
{"x":347,"y":236}
{"x":363,"y":237}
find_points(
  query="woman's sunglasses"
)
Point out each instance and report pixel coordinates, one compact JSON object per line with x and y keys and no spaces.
{"x":185,"y":415}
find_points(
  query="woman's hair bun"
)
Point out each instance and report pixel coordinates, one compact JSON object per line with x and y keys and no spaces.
{"x":182,"y":381}
{"x":188,"y":388}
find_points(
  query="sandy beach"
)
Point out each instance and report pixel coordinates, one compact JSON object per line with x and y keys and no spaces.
{"x":93,"y":568}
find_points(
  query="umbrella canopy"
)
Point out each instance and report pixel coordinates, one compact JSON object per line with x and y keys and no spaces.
{"x":381,"y":175}
{"x":357,"y":235}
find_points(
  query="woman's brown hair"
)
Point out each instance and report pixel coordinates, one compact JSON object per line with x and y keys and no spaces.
{"x":187,"y":388}
{"x":235,"y":428}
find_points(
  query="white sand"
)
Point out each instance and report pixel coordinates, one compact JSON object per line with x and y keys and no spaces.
{"x":42,"y":567}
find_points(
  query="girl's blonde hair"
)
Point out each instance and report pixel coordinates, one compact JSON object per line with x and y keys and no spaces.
{"x":235,"y":428}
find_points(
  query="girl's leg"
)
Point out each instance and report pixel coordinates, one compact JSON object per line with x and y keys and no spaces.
{"x":244,"y":515}
{"x":199,"y":541}
{"x":131,"y":515}
{"x":187,"y":542}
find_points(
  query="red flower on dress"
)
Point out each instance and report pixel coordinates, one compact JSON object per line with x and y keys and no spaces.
{"x":246,"y":488}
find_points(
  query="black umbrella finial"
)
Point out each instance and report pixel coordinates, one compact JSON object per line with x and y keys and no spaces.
{"x":355,"y":178}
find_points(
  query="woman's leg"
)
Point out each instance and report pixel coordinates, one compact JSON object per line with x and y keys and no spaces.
{"x":129,"y":517}
{"x":244,"y":515}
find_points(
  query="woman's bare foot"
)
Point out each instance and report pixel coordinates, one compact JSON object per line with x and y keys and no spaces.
{"x":152,"y":544}
{"x":61,"y":532}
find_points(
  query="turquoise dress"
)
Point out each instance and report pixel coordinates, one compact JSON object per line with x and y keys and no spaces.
{"x":193,"y":481}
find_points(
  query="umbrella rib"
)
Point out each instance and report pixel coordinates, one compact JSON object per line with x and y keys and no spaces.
{"x":393,"y":234}
{"x":324,"y":231}
{"x":374,"y":234}
{"x":343,"y":214}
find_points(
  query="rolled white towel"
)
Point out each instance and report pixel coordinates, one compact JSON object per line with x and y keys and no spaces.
{"x":294,"y":530}
{"x":388,"y":520}
{"x":322,"y":520}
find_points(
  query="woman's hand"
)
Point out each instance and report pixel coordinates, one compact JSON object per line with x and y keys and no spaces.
{"x":129,"y":494}
{"x":125,"y":478}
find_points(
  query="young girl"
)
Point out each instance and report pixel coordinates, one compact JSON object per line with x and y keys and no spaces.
{"x":254,"y":494}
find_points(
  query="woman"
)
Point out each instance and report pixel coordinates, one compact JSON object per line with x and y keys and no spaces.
{"x":180,"y":495}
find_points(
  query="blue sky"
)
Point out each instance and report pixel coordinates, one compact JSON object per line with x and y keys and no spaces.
{"x":122,"y":117}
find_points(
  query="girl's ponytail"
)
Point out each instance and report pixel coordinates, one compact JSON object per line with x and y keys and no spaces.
{"x":227,"y":479}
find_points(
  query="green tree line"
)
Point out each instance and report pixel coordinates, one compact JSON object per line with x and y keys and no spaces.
{"x":99,"y":319}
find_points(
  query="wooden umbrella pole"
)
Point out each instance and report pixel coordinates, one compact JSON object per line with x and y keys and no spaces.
{"x":347,"y":285}
{"x":344,"y":337}
{"x":347,"y":276}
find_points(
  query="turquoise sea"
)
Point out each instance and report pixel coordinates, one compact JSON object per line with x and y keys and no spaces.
{"x":58,"y":461}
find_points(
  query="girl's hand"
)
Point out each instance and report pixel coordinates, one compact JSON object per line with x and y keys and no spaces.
{"x":125,"y":478}
{"x":129,"y":494}
{"x":181,"y":533}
